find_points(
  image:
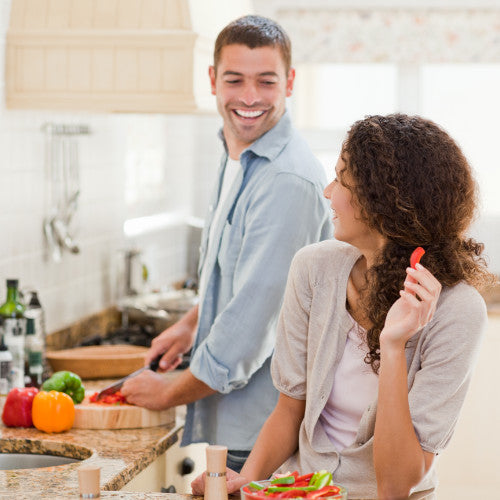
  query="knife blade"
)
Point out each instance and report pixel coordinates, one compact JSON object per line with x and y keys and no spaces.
{"x":116,"y":386}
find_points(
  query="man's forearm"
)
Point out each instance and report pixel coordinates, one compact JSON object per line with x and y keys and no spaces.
{"x":186,"y":388}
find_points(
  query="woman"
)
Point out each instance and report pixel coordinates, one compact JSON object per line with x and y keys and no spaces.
{"x":373,"y":358}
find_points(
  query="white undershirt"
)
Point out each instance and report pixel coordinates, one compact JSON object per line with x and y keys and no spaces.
{"x":355,"y":386}
{"x":230,"y":174}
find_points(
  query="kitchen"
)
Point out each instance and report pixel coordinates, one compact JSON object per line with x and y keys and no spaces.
{"x":130,"y":171}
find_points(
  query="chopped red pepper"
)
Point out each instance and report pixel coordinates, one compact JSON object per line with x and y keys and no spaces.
{"x":17,"y":408}
{"x":305,"y":477}
{"x":113,"y":399}
{"x":322,"y":492}
{"x":416,"y":256}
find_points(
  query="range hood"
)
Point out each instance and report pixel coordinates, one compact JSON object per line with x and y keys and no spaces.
{"x":112,"y":55}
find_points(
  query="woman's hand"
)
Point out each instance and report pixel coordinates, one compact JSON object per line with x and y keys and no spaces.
{"x":234,"y":482}
{"x":414,"y":309}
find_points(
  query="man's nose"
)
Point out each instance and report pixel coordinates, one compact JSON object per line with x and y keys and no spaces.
{"x":250,"y":94}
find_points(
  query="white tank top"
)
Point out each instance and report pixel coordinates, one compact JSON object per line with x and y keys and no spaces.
{"x":355,"y":386}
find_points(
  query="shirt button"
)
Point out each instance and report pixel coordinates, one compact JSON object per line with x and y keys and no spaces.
{"x":210,"y":208}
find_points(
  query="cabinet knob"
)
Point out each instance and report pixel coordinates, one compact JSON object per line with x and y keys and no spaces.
{"x":187,"y":466}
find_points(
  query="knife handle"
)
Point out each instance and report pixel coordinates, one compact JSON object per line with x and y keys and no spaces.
{"x":155,"y":364}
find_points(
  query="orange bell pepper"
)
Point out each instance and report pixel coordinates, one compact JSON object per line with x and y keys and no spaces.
{"x":53,"y":411}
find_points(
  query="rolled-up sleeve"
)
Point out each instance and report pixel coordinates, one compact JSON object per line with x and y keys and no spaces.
{"x":289,"y":363}
{"x":282,"y":218}
{"x":449,"y":353}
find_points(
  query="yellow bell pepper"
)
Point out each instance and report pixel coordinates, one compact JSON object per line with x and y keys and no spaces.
{"x":53,"y":411}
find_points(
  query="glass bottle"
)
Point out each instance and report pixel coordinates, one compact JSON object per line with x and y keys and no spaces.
{"x":14,"y":324}
{"x":35,"y":332}
{"x":13,"y":307}
{"x":5,"y":367}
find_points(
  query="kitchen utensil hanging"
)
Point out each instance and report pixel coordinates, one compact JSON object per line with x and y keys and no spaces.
{"x":62,"y":186}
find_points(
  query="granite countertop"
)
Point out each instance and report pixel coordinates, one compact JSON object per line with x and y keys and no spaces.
{"x":120,"y":454}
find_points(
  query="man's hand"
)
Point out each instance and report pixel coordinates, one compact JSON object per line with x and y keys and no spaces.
{"x":147,"y":390}
{"x":234,"y":482}
{"x":174,"y":341}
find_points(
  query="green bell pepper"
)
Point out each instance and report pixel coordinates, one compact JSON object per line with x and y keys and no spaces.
{"x":67,"y":382}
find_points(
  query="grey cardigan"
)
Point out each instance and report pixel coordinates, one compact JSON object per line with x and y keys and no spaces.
{"x":312,"y":333}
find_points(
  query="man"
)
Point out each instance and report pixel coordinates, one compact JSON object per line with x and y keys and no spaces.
{"x":267,"y":204}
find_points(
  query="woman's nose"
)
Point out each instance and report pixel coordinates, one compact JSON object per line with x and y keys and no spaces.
{"x":327,"y":191}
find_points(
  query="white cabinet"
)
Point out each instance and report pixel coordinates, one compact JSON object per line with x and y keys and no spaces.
{"x":113,"y":55}
{"x":167,"y":471}
{"x":174,"y":464}
{"x":151,"y":479}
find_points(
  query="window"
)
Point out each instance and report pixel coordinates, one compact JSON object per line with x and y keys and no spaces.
{"x":463,"y":98}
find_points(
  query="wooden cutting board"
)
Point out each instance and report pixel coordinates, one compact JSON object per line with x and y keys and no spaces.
{"x":100,"y":361}
{"x":100,"y":416}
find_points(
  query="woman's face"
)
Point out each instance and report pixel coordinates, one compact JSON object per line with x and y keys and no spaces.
{"x":349,"y":225}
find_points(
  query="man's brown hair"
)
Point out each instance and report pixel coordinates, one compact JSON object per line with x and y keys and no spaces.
{"x":254,"y":31}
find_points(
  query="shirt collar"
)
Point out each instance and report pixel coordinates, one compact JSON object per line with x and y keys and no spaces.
{"x":270,"y":144}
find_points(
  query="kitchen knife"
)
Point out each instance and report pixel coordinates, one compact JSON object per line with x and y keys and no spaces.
{"x":111,"y":389}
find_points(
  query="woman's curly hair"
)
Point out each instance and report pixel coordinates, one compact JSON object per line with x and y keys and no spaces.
{"x":416,"y":188}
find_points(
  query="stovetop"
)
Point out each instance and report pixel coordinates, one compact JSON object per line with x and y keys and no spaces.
{"x":137,"y":334}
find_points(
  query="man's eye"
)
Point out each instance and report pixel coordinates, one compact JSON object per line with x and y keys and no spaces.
{"x":268,"y":83}
{"x":233,"y":81}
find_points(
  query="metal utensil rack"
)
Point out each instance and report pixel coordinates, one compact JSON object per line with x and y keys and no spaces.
{"x":62,"y":175}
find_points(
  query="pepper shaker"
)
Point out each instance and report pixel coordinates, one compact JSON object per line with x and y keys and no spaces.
{"x":215,"y":483}
{"x":89,"y":481}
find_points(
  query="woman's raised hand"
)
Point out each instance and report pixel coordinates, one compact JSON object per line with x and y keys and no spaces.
{"x":414,"y":309}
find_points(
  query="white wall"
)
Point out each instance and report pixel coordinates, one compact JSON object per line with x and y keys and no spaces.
{"x":173,"y":156}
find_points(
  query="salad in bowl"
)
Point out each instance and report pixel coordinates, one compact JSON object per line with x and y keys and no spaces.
{"x":313,"y":486}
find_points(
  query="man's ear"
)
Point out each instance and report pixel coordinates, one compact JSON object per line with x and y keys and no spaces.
{"x":211,"y":74}
{"x":289,"y":82}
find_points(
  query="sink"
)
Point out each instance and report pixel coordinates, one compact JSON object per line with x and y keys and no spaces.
{"x":9,"y":461}
{"x":35,"y":454}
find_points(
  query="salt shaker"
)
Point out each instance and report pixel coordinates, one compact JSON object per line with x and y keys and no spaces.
{"x":88,"y":481}
{"x":215,"y":483}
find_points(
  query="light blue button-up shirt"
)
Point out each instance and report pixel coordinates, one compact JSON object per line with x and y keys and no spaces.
{"x":274,"y":208}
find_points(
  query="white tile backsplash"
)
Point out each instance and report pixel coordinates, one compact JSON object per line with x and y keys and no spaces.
{"x":182,"y":153}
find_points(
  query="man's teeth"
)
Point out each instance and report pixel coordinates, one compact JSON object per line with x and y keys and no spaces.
{"x":248,"y":114}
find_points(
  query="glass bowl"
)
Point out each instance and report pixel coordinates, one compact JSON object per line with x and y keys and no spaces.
{"x":341,"y":495}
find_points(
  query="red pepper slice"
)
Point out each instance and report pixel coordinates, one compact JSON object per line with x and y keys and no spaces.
{"x":416,"y":256}
{"x":322,"y":492}
{"x":305,"y":477}
{"x":293,"y":494}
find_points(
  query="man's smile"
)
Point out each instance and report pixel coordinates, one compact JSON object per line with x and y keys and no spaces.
{"x":246,"y":113}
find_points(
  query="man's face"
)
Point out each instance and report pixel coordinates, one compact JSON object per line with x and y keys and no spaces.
{"x":251,"y":86}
